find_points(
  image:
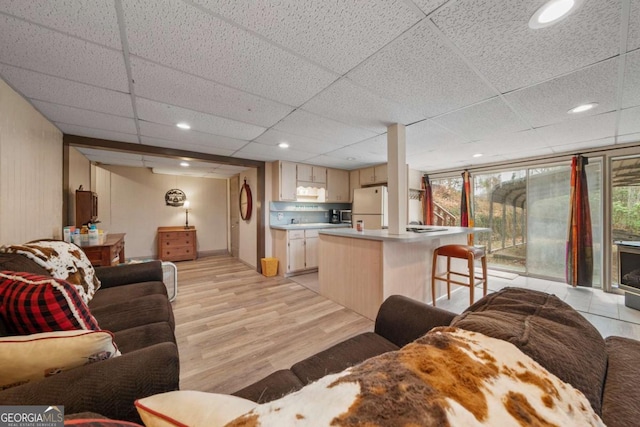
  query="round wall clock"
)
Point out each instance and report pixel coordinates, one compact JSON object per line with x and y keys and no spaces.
{"x":246,"y":202}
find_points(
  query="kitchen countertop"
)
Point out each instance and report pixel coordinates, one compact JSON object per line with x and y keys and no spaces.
{"x":431,"y":232}
{"x":310,"y":226}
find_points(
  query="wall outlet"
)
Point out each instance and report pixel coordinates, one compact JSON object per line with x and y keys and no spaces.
{"x":280,"y":216}
{"x":326,"y":214}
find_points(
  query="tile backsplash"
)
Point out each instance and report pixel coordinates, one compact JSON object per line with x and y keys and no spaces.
{"x":281,"y":213}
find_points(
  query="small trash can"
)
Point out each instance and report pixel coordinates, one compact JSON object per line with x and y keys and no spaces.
{"x":269,"y":266}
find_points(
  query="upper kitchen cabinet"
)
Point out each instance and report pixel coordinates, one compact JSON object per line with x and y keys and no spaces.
{"x":308,"y":173}
{"x":284,"y":181}
{"x":354,"y":182}
{"x":374,"y":175}
{"x":337,"y":185}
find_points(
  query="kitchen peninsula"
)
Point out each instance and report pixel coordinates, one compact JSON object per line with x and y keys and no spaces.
{"x":359,"y":270}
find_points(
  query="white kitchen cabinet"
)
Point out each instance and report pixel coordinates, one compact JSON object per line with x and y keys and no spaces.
{"x":354,"y":182}
{"x":309,"y":173}
{"x":296,"y":253}
{"x":374,"y":175}
{"x":311,"y":248}
{"x":297,"y":250}
{"x":337,"y":185}
{"x":284,"y":181}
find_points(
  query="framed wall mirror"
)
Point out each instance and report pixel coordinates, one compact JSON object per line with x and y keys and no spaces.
{"x":246,"y":202}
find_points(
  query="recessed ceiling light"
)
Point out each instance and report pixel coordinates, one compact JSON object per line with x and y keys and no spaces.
{"x":477,"y":155}
{"x":551,"y":12}
{"x":184,"y":164}
{"x":351,"y":158}
{"x":582,"y":108}
{"x":283,"y":145}
{"x":183,"y":125}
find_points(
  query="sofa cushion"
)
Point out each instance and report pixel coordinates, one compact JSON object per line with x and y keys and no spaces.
{"x":135,"y":312}
{"x":341,"y":356}
{"x":33,"y":304}
{"x":546,"y":329}
{"x":126,"y":292}
{"x":272,"y":387}
{"x":63,"y":260}
{"x":133,"y":339}
{"x":27,"y":358}
{"x":621,"y":397}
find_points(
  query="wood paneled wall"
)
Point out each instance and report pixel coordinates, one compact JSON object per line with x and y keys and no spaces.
{"x":31,"y":162}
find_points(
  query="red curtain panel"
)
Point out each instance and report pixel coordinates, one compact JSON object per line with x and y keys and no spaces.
{"x":579,"y":259}
{"x":427,"y":201}
{"x":466,"y":204}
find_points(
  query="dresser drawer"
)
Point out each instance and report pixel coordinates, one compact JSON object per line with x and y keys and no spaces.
{"x":171,"y":235}
{"x":177,"y":253}
{"x":176,"y":244}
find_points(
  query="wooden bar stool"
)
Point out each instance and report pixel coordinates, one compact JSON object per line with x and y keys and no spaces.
{"x":470,"y":253}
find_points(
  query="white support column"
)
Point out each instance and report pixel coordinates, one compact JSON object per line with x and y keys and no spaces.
{"x":397,"y":169}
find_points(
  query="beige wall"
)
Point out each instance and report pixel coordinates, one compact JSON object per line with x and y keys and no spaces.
{"x":79,"y":174}
{"x":131,"y":201}
{"x":30,"y":172}
{"x":249,"y":229}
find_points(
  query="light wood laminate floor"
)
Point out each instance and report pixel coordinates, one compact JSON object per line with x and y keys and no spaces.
{"x":235,"y":326}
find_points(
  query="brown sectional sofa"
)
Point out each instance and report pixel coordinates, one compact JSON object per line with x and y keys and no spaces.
{"x":607,"y":370}
{"x":132,"y":303}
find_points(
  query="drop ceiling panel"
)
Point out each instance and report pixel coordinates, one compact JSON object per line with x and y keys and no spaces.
{"x":166,"y":85}
{"x":205,"y":149}
{"x":631,"y":91}
{"x":419,"y":71}
{"x":338,"y":35}
{"x":230,"y":168}
{"x":75,"y":116}
{"x":115,"y":155}
{"x":90,"y":20}
{"x":68,"y":129}
{"x":579,"y":130}
{"x":633,"y":36}
{"x":312,"y":126}
{"x":629,"y":121}
{"x":296,"y":142}
{"x":576,"y":147}
{"x":631,"y":137}
{"x":373,"y":150}
{"x":60,"y":91}
{"x":428,"y":135}
{"x":255,"y":150}
{"x":36,"y":48}
{"x":345,"y":101}
{"x":334,"y":162}
{"x":116,"y":162}
{"x":548,"y":102}
{"x":495,"y":36}
{"x":510,"y":143}
{"x":180,"y":136}
{"x":157,"y":112}
{"x":429,"y":6}
{"x":181,"y":36}
{"x":483,"y":120}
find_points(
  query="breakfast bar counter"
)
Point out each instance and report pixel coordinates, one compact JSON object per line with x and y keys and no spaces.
{"x":359,"y":270}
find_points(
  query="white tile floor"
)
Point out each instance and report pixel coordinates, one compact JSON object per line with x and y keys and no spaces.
{"x":605,"y":311}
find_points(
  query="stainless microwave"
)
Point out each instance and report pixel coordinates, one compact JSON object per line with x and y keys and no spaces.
{"x":345,"y":216}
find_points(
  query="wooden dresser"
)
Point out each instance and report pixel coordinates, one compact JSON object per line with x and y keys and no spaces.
{"x":177,"y":243}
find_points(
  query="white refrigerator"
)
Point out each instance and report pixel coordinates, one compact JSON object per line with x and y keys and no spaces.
{"x":370,"y":206}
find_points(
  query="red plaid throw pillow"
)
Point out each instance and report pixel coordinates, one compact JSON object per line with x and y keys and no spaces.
{"x":30,"y":304}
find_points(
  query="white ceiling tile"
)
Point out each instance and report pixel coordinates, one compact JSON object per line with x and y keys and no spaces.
{"x":579,"y":130}
{"x":429,"y":6}
{"x":230,"y":168}
{"x":257,"y":151}
{"x":419,"y":71}
{"x":575,"y":147}
{"x":96,"y":152}
{"x":157,"y":112}
{"x":60,"y":91}
{"x":630,"y":137}
{"x":508,"y":143}
{"x":334,"y":162}
{"x":347,"y":102}
{"x":69,"y":129}
{"x":296,"y":142}
{"x":373,"y":150}
{"x":172,"y":133}
{"x":116,"y":162}
{"x":633,"y":36}
{"x":182,"y":145}
{"x":495,"y":36}
{"x":94,"y":20}
{"x":629,"y":121}
{"x":428,"y":135}
{"x":178,"y":35}
{"x":548,"y":102}
{"x":338,"y":35}
{"x":483,"y":120}
{"x":35,"y":48}
{"x":195,"y":93}
{"x":312,"y":126}
{"x":85,"y":118}
{"x":631,"y":91}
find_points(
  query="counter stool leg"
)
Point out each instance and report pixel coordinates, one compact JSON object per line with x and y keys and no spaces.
{"x":485,"y":276}
{"x":448,"y":277}
{"x":470,"y":263}
{"x":434,"y":271}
